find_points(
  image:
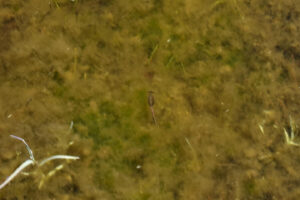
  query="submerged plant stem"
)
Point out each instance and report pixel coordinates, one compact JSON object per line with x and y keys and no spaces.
{"x":153,"y":115}
{"x":66,"y":157}
{"x":27,"y":146}
{"x":16,"y":172}
{"x":31,"y":161}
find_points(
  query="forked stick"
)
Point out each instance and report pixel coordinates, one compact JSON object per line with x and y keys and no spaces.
{"x":32,"y":161}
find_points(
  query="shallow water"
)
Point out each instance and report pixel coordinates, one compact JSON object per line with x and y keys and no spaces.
{"x":75,"y":78}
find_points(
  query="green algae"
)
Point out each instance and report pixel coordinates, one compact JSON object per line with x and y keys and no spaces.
{"x":218,"y":70}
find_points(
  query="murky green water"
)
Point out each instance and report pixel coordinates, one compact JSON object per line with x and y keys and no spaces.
{"x":75,"y":78}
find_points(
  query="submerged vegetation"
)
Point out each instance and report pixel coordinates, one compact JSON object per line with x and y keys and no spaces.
{"x":225,"y":76}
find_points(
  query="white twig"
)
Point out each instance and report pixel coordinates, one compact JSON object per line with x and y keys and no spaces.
{"x":27,"y":146}
{"x":32,"y":161}
{"x":290,"y":139}
{"x":66,"y":157}
{"x":71,"y":125}
{"x":189,"y":144}
{"x":17,"y":171}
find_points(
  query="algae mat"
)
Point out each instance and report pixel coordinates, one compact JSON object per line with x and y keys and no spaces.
{"x":75,"y":79}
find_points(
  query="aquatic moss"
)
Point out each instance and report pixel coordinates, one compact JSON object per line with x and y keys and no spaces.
{"x":112,"y":123}
{"x":59,"y":91}
{"x":57,"y":77}
{"x":108,"y":114}
{"x":151,"y":35}
{"x":234,"y":57}
{"x":141,"y":106}
{"x":249,"y":188}
{"x":104,"y":179}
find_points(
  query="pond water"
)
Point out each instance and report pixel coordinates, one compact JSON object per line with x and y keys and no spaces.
{"x":224,"y":76}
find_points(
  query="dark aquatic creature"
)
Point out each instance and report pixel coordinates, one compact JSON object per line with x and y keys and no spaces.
{"x":151,"y":104}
